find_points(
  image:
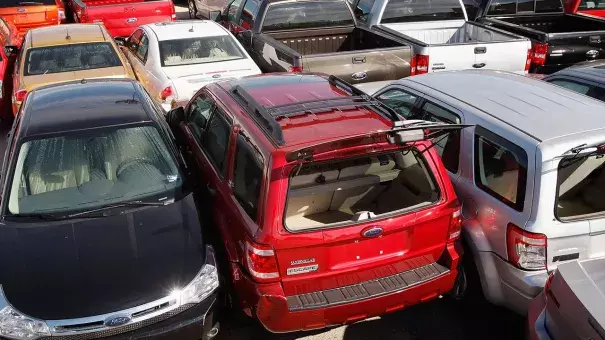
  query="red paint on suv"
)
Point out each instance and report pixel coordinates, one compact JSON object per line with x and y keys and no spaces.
{"x":327,"y":215}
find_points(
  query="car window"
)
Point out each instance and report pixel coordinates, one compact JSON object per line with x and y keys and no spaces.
{"x":597,"y":92}
{"x":135,"y":40}
{"x":69,"y":58}
{"x":591,"y":4}
{"x":502,"y":7}
{"x":199,"y":113}
{"x":400,"y":101}
{"x":216,"y":139}
{"x":143,"y":48}
{"x":572,"y":85}
{"x":307,"y":14}
{"x":525,"y":5}
{"x":548,"y":6}
{"x":249,"y":14}
{"x":421,"y":10}
{"x":178,"y":52}
{"x":247,"y":176}
{"x":363,"y":9}
{"x":447,"y":146}
{"x":500,"y":168}
{"x":232,"y":11}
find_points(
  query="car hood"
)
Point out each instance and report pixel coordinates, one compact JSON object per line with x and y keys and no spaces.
{"x":32,"y":82}
{"x":188,"y":79}
{"x":78,"y":268}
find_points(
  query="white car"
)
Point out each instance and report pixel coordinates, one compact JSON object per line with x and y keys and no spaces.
{"x":173,"y":60}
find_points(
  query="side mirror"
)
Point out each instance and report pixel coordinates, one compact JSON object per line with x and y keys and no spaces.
{"x":176,"y":116}
{"x":215,"y":16}
{"x":121,"y":41}
{"x":11,"y":49}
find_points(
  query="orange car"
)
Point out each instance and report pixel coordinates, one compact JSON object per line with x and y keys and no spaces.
{"x":26,"y":14}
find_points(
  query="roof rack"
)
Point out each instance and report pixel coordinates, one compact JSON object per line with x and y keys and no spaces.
{"x":266,"y":116}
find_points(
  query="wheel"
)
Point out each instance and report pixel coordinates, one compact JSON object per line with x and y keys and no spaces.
{"x":472,"y":291}
{"x":192,"y":10}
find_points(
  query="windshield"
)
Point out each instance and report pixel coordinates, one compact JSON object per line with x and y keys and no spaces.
{"x":18,"y":3}
{"x":303,"y":14}
{"x":199,"y":50}
{"x":581,"y":181}
{"x":92,"y":169}
{"x":421,"y":10}
{"x":68,"y":58}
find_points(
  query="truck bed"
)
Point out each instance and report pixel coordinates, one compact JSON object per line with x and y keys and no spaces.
{"x":94,"y":3}
{"x":558,"y":23}
{"x":332,"y":40}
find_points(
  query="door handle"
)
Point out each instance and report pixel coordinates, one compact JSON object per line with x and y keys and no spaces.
{"x":479,"y":65}
{"x":480,"y":50}
{"x":595,"y":39}
{"x":359,"y":60}
{"x":210,"y":189}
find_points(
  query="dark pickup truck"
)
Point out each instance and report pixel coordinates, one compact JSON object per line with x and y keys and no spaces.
{"x":315,"y":36}
{"x":558,"y":39}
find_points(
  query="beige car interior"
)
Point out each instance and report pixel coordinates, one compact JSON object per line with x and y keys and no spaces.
{"x":581,"y":191}
{"x":353,"y":190}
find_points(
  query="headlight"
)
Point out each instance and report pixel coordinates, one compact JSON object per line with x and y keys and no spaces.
{"x":204,"y":283}
{"x":14,"y":325}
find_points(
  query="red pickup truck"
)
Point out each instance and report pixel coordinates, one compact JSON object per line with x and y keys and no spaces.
{"x":592,"y":7}
{"x":122,"y":17}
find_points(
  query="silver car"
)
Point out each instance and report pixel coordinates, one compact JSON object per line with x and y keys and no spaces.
{"x":529,"y":176}
{"x":571,"y":305}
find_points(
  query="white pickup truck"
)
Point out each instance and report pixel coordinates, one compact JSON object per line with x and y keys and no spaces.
{"x":442,"y":38}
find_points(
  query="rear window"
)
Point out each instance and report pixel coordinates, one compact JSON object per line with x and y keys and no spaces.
{"x":591,"y":4}
{"x":421,"y":10}
{"x":331,"y":194}
{"x":581,"y":181}
{"x":307,"y":15}
{"x":69,"y":58}
{"x":17,"y":3}
{"x":199,"y":51}
{"x":507,"y":7}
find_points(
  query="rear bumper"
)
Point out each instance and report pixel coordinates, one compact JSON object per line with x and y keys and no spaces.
{"x":279,"y":313}
{"x":121,"y":32}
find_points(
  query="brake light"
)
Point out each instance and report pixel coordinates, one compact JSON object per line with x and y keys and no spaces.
{"x":455,"y":222}
{"x":172,"y":12}
{"x":20,"y":95}
{"x":525,"y":250}
{"x":540,"y":50}
{"x":419,"y":64}
{"x":528,"y":60}
{"x":262,"y":263}
{"x":295,"y":69}
{"x":166,"y":92}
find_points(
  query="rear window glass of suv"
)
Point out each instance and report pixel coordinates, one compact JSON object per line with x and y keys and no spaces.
{"x":421,"y":10}
{"x":289,"y":15}
{"x":69,"y":58}
{"x":18,"y":3}
{"x":199,"y":50}
{"x":581,"y":182}
{"x":324,"y":195}
{"x":591,"y":4}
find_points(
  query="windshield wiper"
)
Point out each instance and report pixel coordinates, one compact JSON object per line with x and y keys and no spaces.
{"x":118,"y":205}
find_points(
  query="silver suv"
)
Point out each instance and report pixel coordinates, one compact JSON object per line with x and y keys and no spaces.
{"x":530,"y":174}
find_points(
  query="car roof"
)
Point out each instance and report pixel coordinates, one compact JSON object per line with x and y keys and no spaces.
{"x":591,"y":71}
{"x":186,"y":29}
{"x":83,"y":105}
{"x":301,"y":129}
{"x":66,"y":34}
{"x":541,"y":110}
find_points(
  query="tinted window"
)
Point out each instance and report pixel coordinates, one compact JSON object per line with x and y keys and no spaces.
{"x":134,"y":41}
{"x":142,"y":48}
{"x":572,"y":85}
{"x":448,"y":146}
{"x":19,"y":3}
{"x":400,"y":101}
{"x":216,"y":140}
{"x":581,"y":182}
{"x":199,"y":113}
{"x":91,"y":169}
{"x":525,"y":5}
{"x":306,"y":15}
{"x":421,"y":10}
{"x":68,"y":58}
{"x":247,"y":176}
{"x":363,"y":9}
{"x":249,"y":13}
{"x":500,"y":168}
{"x":547,"y":6}
{"x":591,"y":4}
{"x":232,"y":11}
{"x":198,"y":50}
{"x":502,"y":7}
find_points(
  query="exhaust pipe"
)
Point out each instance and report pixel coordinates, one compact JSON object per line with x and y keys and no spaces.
{"x":213,"y":332}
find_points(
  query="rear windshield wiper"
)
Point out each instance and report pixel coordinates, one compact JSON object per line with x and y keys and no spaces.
{"x":118,"y":205}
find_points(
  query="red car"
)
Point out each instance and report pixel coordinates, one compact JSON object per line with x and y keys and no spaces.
{"x":32,"y":14}
{"x":11,"y":42}
{"x":330,"y":209}
{"x":592,"y":7}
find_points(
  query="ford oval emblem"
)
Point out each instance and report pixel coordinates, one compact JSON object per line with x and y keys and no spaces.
{"x":592,"y":53}
{"x":216,"y":76}
{"x":116,"y":320}
{"x":131,"y":20}
{"x":20,"y":9}
{"x":372,"y":232}
{"x":359,"y":75}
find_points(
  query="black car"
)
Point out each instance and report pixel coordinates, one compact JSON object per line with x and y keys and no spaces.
{"x":99,"y":230}
{"x":586,"y":78}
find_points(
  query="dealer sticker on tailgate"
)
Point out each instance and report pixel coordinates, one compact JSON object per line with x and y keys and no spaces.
{"x":302,"y":270}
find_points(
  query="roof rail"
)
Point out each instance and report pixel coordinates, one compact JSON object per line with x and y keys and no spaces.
{"x":260,"y":115}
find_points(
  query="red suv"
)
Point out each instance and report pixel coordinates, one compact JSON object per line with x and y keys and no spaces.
{"x":330,"y":208}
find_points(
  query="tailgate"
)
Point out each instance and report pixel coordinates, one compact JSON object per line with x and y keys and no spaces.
{"x":125,"y":16}
{"x":30,"y":16}
{"x":362,"y":66}
{"x":570,"y":48}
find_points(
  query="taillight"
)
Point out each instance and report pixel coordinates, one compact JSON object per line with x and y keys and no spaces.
{"x":539,"y":51}
{"x":20,"y":95}
{"x":61,"y":15}
{"x":455,"y":222}
{"x":172,"y":12}
{"x":166,"y":92}
{"x":528,"y":60}
{"x":295,"y":69}
{"x":419,"y":64}
{"x":526,"y":250}
{"x":262,"y":263}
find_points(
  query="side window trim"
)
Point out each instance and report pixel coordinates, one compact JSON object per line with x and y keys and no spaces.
{"x":217,"y":112}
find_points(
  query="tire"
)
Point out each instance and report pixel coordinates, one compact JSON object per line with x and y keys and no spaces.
{"x":474,"y":291}
{"x":192,"y":9}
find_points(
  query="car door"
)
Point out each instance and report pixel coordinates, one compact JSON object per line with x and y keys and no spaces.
{"x":140,"y":56}
{"x":132,"y":45}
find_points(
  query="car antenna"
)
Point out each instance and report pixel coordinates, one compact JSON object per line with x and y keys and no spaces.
{"x":191,"y":29}
{"x":68,"y":37}
{"x":83,"y":81}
